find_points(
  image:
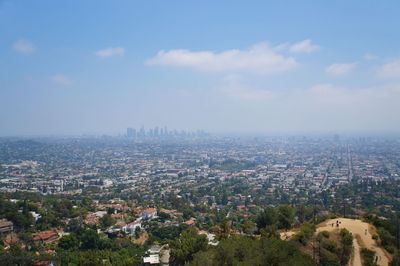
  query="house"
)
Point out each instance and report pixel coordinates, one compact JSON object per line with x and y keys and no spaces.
{"x":10,"y":239}
{"x":45,"y":237}
{"x":152,"y":259}
{"x":91,"y":218}
{"x":241,"y":208}
{"x":210,"y":237}
{"x":149,"y":213}
{"x":119,"y":215}
{"x":173,"y":213}
{"x":157,"y":255}
{"x":191,"y":222}
{"x":6,"y":226}
{"x":100,"y":214}
{"x":36,"y":216}
{"x":43,"y":263}
{"x":131,"y":227}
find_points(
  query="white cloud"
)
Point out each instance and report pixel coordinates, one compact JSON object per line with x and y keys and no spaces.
{"x":111,"y":51}
{"x":23,"y":46}
{"x":390,"y":69}
{"x":305,"y":46}
{"x":340,"y":69}
{"x":258,"y":58}
{"x":61,"y":79}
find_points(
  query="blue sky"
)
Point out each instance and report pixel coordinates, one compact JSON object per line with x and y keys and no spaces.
{"x":78,"y":67}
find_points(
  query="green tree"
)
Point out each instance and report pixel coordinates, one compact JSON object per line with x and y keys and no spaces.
{"x":306,"y":232}
{"x":267,"y":217}
{"x":16,"y":256}
{"x":285,"y":216}
{"x":90,"y":239}
{"x":347,"y":245}
{"x":69,"y":242}
{"x":368,"y":257}
{"x":107,"y":220}
{"x":184,"y":247}
{"x":248,"y":227}
{"x":244,"y":250}
{"x":270,"y":231}
{"x":137,"y":231}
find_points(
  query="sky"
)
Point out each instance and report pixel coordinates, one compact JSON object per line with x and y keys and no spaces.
{"x":266,"y":67}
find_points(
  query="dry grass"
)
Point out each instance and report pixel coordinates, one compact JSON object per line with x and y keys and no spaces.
{"x":141,"y":240}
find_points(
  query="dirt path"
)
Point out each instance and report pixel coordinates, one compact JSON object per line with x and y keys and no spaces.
{"x":286,"y":235}
{"x":361,"y":229}
{"x":356,"y":257}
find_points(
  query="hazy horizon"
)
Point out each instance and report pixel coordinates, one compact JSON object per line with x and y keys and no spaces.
{"x":263,"y":67}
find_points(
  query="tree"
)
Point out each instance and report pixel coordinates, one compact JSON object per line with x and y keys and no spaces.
{"x":285,"y":216}
{"x":248,"y":227}
{"x":75,"y":225}
{"x":244,"y":250}
{"x":301,"y":213}
{"x":90,"y":239}
{"x":306,"y":232}
{"x":16,"y":256}
{"x":347,"y":245}
{"x":328,"y":258}
{"x":368,"y":257}
{"x":107,"y":220}
{"x":164,"y":216}
{"x":267,"y":217}
{"x":226,"y":226}
{"x":270,"y":231}
{"x":396,"y":259}
{"x":137,"y":231}
{"x":189,"y":242}
{"x":69,"y":242}
{"x":97,"y":257}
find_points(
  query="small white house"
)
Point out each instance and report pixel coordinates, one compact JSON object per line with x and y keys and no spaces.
{"x":149,"y":213}
{"x":131,"y":227}
{"x":36,"y":216}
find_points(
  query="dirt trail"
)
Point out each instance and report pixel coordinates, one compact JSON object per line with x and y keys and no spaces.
{"x":356,"y":258}
{"x":362,"y":229}
{"x":286,"y":235}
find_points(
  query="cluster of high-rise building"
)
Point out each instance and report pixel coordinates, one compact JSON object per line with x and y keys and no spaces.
{"x":162,"y":133}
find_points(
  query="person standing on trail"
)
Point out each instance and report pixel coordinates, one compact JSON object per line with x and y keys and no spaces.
{"x":366,"y":230}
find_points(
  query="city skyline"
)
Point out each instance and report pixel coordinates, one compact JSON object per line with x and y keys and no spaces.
{"x":265,"y":67}
{"x":199,"y":132}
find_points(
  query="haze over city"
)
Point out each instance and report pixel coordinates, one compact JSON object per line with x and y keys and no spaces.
{"x":98,"y":67}
{"x":199,"y":133}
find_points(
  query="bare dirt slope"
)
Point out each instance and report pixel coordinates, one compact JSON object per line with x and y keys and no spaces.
{"x":364,"y":239}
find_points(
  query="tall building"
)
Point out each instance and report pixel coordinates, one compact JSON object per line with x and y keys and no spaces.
{"x":130,"y":132}
{"x":142,"y":132}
